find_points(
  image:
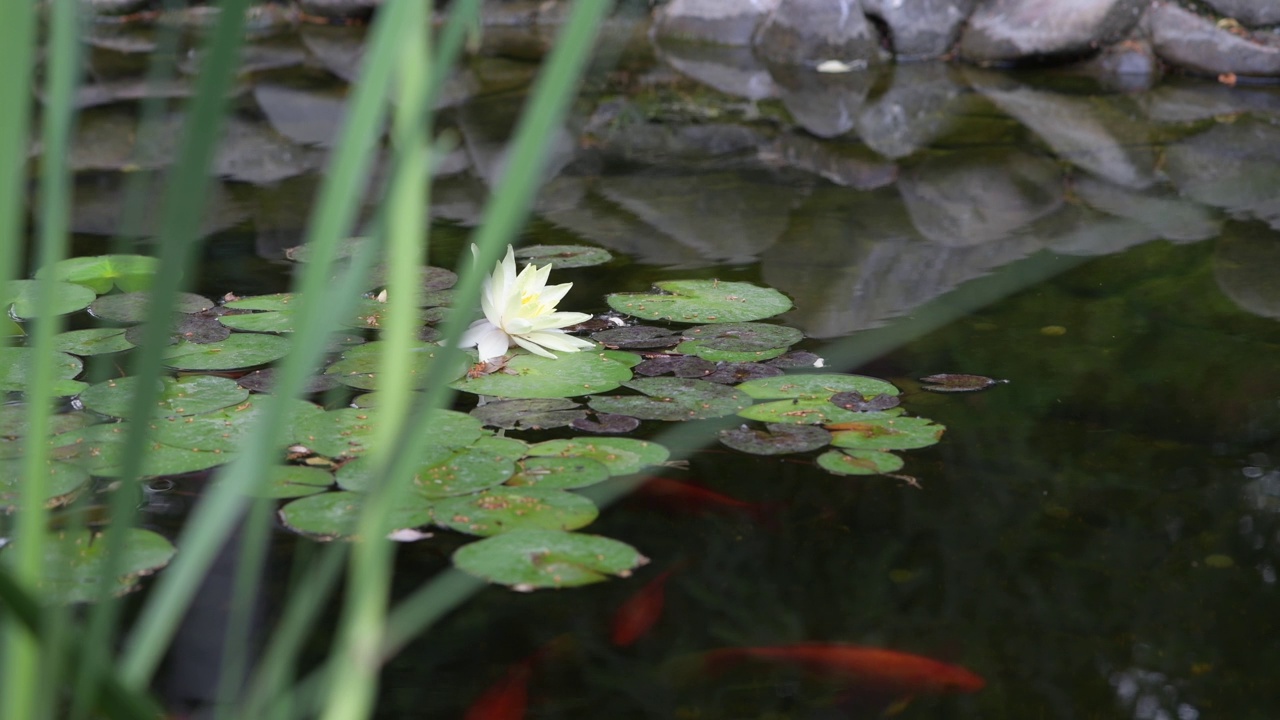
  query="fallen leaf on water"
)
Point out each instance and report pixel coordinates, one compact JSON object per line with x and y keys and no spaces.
{"x":954,"y":382}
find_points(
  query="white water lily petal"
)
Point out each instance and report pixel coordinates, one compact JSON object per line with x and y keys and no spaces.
{"x":492,"y":344}
{"x":533,"y":347}
{"x":557,"y":340}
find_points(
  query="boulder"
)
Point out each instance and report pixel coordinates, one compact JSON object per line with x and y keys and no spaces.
{"x":731,"y":70}
{"x":918,"y":106}
{"x":1189,"y":41}
{"x":1009,"y":31}
{"x":920,"y":29}
{"x":1249,"y":12}
{"x":824,"y":104}
{"x":724,"y":22}
{"x":808,"y":32}
{"x":1233,"y":166}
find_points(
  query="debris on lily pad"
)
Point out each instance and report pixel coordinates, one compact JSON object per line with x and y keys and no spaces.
{"x":775,"y":439}
{"x":534,"y":376}
{"x":532,"y":559}
{"x":529,"y":414}
{"x":702,"y":301}
{"x":501,"y":510}
{"x":859,"y":462}
{"x":332,"y":515}
{"x":622,"y":456}
{"x":131,"y":307}
{"x":22,"y":302}
{"x":682,"y":366}
{"x":957,"y":382}
{"x":637,"y":337}
{"x":74,"y":560}
{"x":563,"y":256}
{"x":673,"y":399}
{"x":607,"y":424}
{"x":854,"y":400}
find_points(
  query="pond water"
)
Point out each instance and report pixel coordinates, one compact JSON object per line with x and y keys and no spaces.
{"x":1095,"y":538}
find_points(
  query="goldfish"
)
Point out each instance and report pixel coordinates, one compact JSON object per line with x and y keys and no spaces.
{"x":507,"y":698}
{"x":640,"y":612}
{"x":689,"y":497}
{"x":888,"y":669}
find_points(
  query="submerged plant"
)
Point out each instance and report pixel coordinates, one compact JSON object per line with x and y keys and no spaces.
{"x":521,"y":309}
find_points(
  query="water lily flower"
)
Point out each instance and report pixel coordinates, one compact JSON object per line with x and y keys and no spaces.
{"x":521,"y":309}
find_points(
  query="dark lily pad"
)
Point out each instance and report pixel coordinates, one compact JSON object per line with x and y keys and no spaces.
{"x":816,"y":386}
{"x":563,"y":256}
{"x":856,"y":402}
{"x":739,"y":342}
{"x":529,"y":559}
{"x":702,"y":301}
{"x":294,"y":481}
{"x":887,"y":433}
{"x":63,"y":482}
{"x":622,"y":456}
{"x":15,"y":370}
{"x":673,"y":399}
{"x":94,"y":341}
{"x":100,"y":273}
{"x":735,"y":373}
{"x":776,"y":439}
{"x":359,"y":365}
{"x":203,"y":329}
{"x":956,"y":382}
{"x":227,"y":429}
{"x":809,"y":411}
{"x":637,"y":337}
{"x":67,"y":298}
{"x":859,"y":462}
{"x":607,"y":424}
{"x":434,"y":279}
{"x":531,"y":414}
{"x":178,"y":396}
{"x":74,"y":561}
{"x":333,"y":515}
{"x":797,"y":359}
{"x":241,"y":350}
{"x":131,"y":307}
{"x":262,"y":381}
{"x":346,"y":432}
{"x":533,"y":376}
{"x":683,"y":366}
{"x":502,"y":510}
{"x":554,"y":473}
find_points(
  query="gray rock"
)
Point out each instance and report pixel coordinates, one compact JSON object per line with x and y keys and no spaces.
{"x":306,"y":116}
{"x":1249,"y":12}
{"x":731,"y":70}
{"x":1187,"y":40}
{"x":724,"y":22}
{"x":1001,"y":31}
{"x":826,"y":105}
{"x":110,"y":138}
{"x":921,"y":29}
{"x":1082,"y":231}
{"x":919,"y":106}
{"x":1187,"y":100}
{"x":1233,"y":166}
{"x":101,"y":205}
{"x":1166,"y":214}
{"x":1129,"y":66}
{"x":807,"y":32}
{"x":975,"y":197}
{"x":254,"y":153}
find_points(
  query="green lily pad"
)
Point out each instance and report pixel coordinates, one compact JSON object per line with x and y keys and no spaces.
{"x":13,"y":421}
{"x":502,"y":510}
{"x":563,"y":256}
{"x":567,"y":375}
{"x":15,"y":370}
{"x":508,"y":446}
{"x":815,"y":386}
{"x":226,"y":429}
{"x":556,"y":473}
{"x":702,"y":301}
{"x":887,"y":433}
{"x":359,"y":366}
{"x":99,"y":449}
{"x":241,"y":350}
{"x":622,"y":456}
{"x":94,"y":341}
{"x":63,"y":482}
{"x":673,"y":399}
{"x":260,"y":322}
{"x":531,"y":414}
{"x":739,"y":342}
{"x":776,"y":439}
{"x":809,"y":411}
{"x":100,"y":273}
{"x":445,"y":472}
{"x":529,"y":559}
{"x":859,"y":462}
{"x":293,"y":481}
{"x":74,"y":561}
{"x":332,"y":515}
{"x":346,"y":432}
{"x":346,"y":248}
{"x":178,"y":396}
{"x":67,"y":298}
{"x":131,"y":307}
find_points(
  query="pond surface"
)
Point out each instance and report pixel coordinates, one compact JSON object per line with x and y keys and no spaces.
{"x":1096,"y":538}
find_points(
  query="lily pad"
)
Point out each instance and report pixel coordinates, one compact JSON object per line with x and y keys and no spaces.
{"x":607,"y":424}
{"x":554,"y":473}
{"x":13,"y":421}
{"x":445,"y":472}
{"x":957,"y":382}
{"x":508,"y":446}
{"x":178,"y":396}
{"x":563,"y":256}
{"x":131,"y":307}
{"x":502,"y":510}
{"x":534,"y":376}
{"x":100,"y":273}
{"x":226,"y":429}
{"x":74,"y":561}
{"x":67,"y":298}
{"x":887,"y":433}
{"x":531,"y":414}
{"x":63,"y":483}
{"x":810,"y":411}
{"x":683,"y":366}
{"x":15,"y":370}
{"x":637,"y":337}
{"x":673,"y":399}
{"x":797,"y":359}
{"x":293,"y":481}
{"x":702,"y":301}
{"x":735,"y":373}
{"x":345,"y":432}
{"x":359,"y":365}
{"x":94,"y":341}
{"x":622,"y":456}
{"x":859,"y":462}
{"x":199,"y":328}
{"x":332,"y":515}
{"x":739,"y":342}
{"x":346,"y":248}
{"x":816,"y":386}
{"x":241,"y":350}
{"x":856,"y":402}
{"x":775,"y":439}
{"x":529,"y":559}
{"x":263,"y":381}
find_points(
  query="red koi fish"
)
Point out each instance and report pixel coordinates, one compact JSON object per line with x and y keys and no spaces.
{"x":888,"y":669}
{"x":680,"y":495}
{"x":507,"y":698}
{"x":640,"y":612}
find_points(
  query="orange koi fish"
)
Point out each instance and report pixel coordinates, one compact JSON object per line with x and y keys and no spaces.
{"x":507,"y":698}
{"x":640,"y":612}
{"x":890,"y":669}
{"x":680,"y":495}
